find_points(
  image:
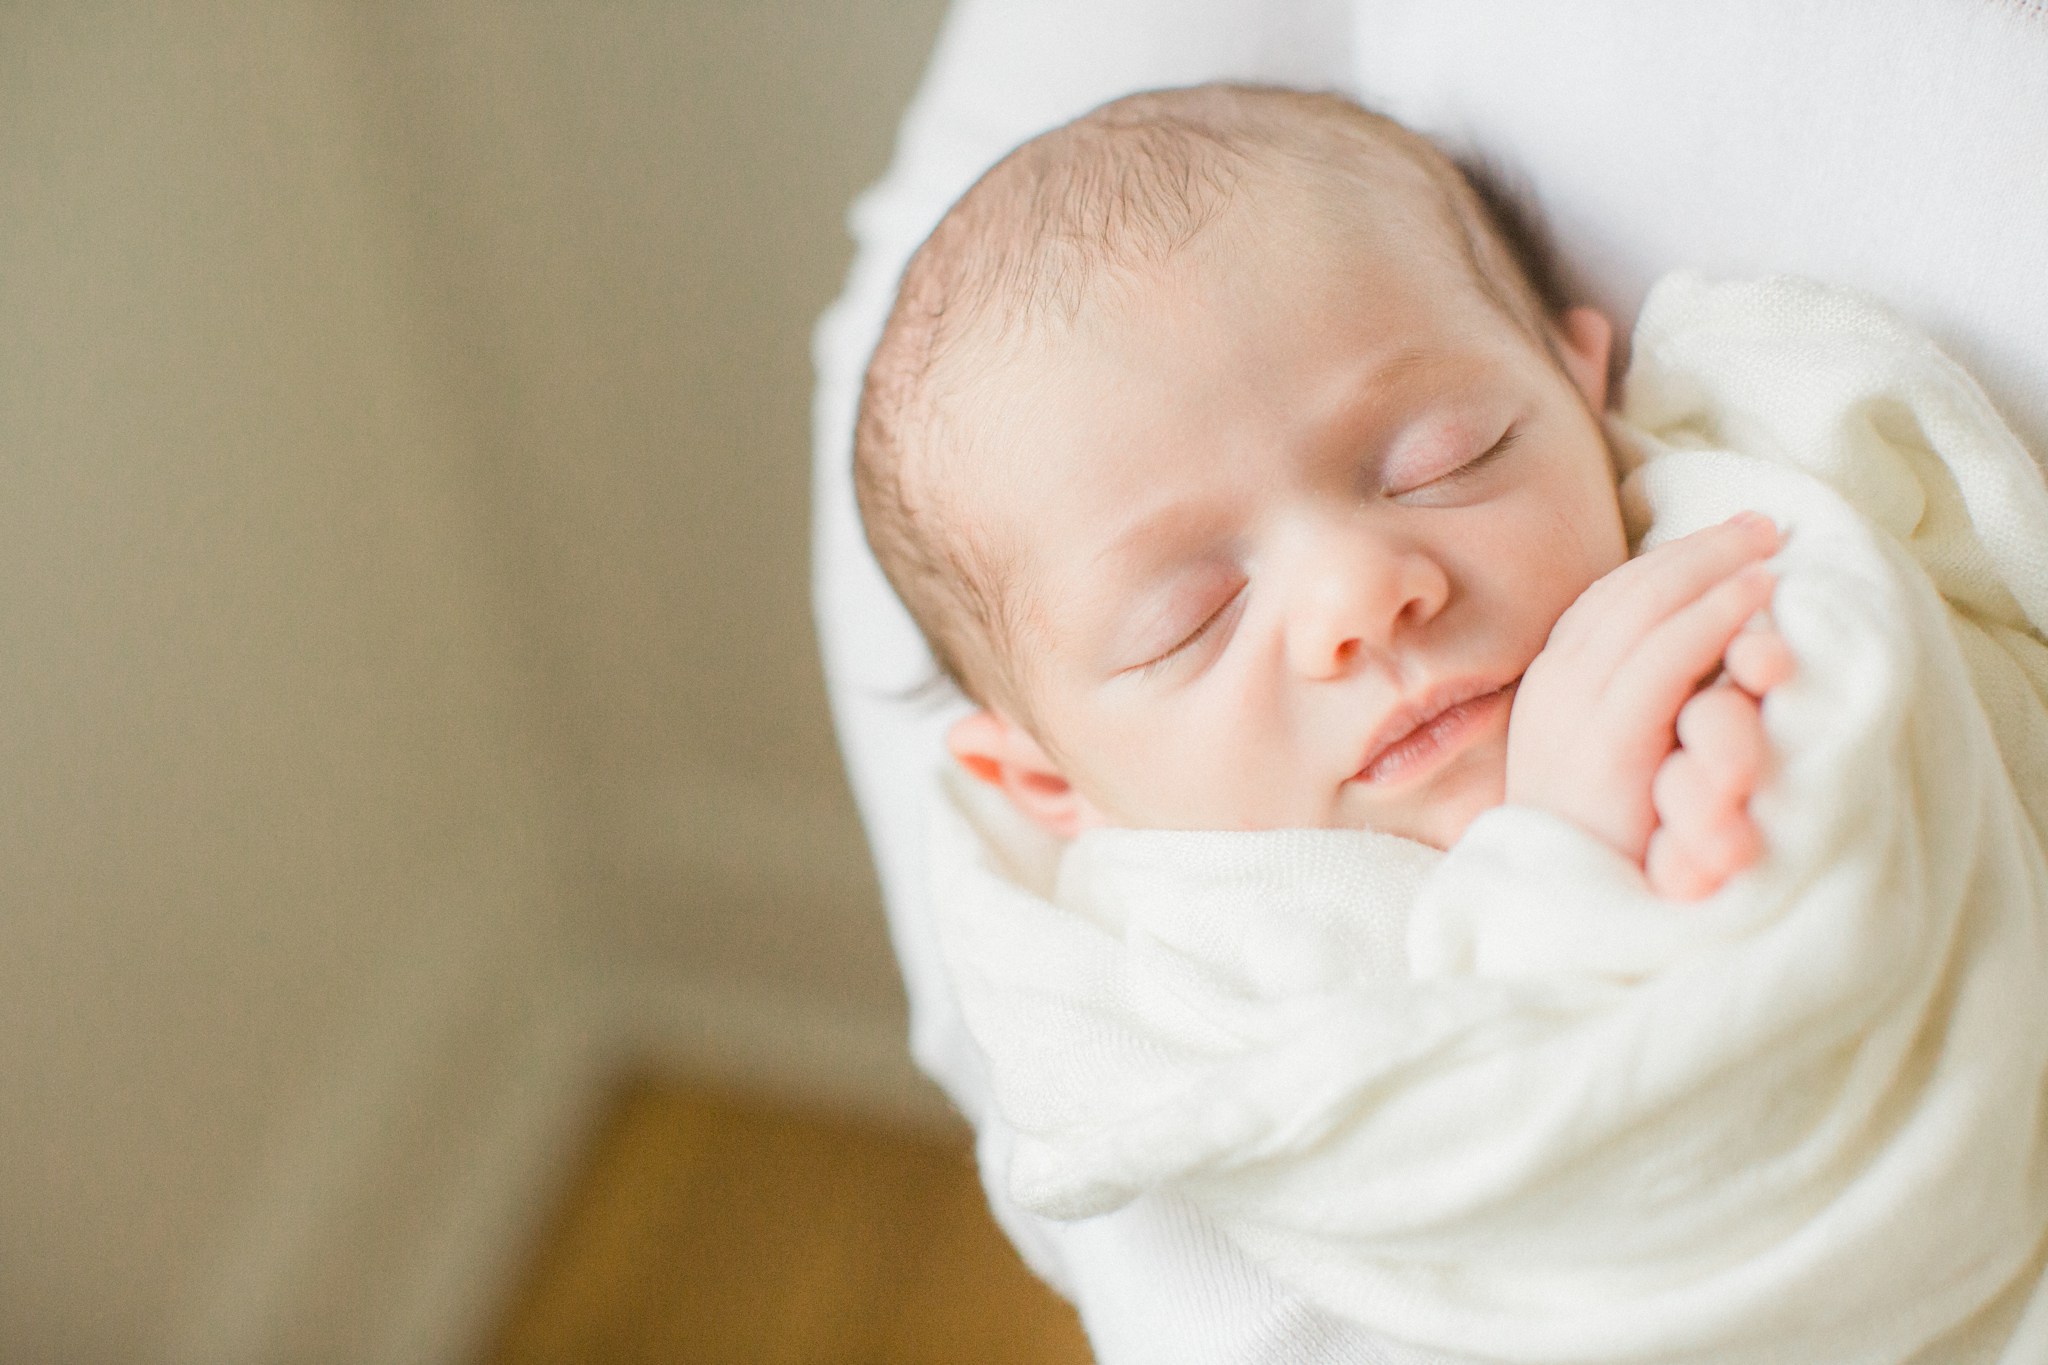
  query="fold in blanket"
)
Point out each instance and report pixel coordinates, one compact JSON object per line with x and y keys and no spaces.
{"x":1502,"y":1103}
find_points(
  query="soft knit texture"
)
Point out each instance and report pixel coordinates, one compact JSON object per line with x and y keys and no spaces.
{"x":1503,"y":1104}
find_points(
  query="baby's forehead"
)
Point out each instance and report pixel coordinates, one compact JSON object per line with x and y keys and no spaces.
{"x":1003,"y":389}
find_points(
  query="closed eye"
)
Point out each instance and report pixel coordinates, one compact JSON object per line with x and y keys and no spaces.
{"x":1215,"y":619}
{"x":1507,"y":442}
{"x":1453,"y":477}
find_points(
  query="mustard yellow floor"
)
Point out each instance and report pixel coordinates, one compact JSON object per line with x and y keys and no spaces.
{"x":709,"y":1227}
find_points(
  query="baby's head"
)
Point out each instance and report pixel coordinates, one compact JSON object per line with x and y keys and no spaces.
{"x":1233,"y":459}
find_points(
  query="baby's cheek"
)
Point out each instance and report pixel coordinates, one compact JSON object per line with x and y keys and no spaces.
{"x":1146,"y":776}
{"x":1555,"y":581}
{"x":1483,"y":788}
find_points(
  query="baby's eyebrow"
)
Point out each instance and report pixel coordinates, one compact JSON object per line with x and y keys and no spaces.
{"x":1407,"y":370}
{"x":1155,"y":532}
{"x":1401,"y":368}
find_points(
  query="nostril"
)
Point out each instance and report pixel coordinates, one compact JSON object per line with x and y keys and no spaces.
{"x":1347,"y":653}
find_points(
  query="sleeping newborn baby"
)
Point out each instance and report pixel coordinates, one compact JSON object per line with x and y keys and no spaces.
{"x":1230,"y":456}
{"x":1487,"y":926}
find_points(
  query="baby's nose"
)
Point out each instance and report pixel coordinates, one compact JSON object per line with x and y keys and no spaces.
{"x":1358,"y":599}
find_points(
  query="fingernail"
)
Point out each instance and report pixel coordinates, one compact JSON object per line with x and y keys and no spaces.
{"x":1757,"y":522}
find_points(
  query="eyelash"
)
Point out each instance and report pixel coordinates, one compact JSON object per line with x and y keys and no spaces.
{"x":1485,"y":457}
{"x":1193,"y":637}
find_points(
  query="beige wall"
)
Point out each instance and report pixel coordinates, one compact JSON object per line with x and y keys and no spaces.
{"x":632,"y":212}
{"x":402,"y":531}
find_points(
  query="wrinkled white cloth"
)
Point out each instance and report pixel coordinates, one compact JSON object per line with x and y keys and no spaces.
{"x":1503,"y":1104}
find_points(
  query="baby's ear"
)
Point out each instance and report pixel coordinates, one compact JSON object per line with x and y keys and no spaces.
{"x":1002,"y":753}
{"x":1586,"y":338}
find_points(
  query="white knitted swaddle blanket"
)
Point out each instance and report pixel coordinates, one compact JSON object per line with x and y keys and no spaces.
{"x":1500,"y":1102}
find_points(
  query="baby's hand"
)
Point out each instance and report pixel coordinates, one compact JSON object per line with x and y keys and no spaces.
{"x":1701,"y":792}
{"x":1596,"y":717}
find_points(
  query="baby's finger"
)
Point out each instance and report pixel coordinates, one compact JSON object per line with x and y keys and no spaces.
{"x":1687,"y":793}
{"x":1634,"y":599}
{"x":1723,"y":731}
{"x":1758,"y":659}
{"x":1672,"y":871}
{"x":1687,"y":864}
{"x":1727,"y":847}
{"x":1679,"y":792}
{"x":1665,"y":669}
{"x":1703,"y":784}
